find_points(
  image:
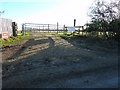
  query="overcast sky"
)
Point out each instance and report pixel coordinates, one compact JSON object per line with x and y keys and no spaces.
{"x":46,"y":11}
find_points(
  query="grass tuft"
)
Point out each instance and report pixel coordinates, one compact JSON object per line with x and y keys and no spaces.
{"x":11,"y":41}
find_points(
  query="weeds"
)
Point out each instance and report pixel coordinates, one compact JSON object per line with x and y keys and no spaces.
{"x":11,"y":41}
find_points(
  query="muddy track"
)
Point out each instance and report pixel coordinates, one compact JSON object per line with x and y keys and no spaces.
{"x":48,"y":57}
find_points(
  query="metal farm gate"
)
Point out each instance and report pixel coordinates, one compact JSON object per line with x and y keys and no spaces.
{"x":33,"y":27}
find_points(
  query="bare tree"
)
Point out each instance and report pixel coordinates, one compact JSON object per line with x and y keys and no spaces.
{"x":119,"y":9}
{"x":103,"y":10}
{"x":104,"y":15}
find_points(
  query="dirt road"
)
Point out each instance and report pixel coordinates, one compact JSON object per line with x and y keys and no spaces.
{"x":46,"y":58}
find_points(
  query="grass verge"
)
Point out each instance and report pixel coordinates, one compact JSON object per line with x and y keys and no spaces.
{"x":11,"y":41}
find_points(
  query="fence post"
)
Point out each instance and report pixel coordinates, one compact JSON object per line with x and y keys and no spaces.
{"x":39,"y":28}
{"x":64,"y":28}
{"x":43,"y":28}
{"x":57,"y":27}
{"x":23,"y":29}
{"x":74,"y":22}
{"x":48,"y":27}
